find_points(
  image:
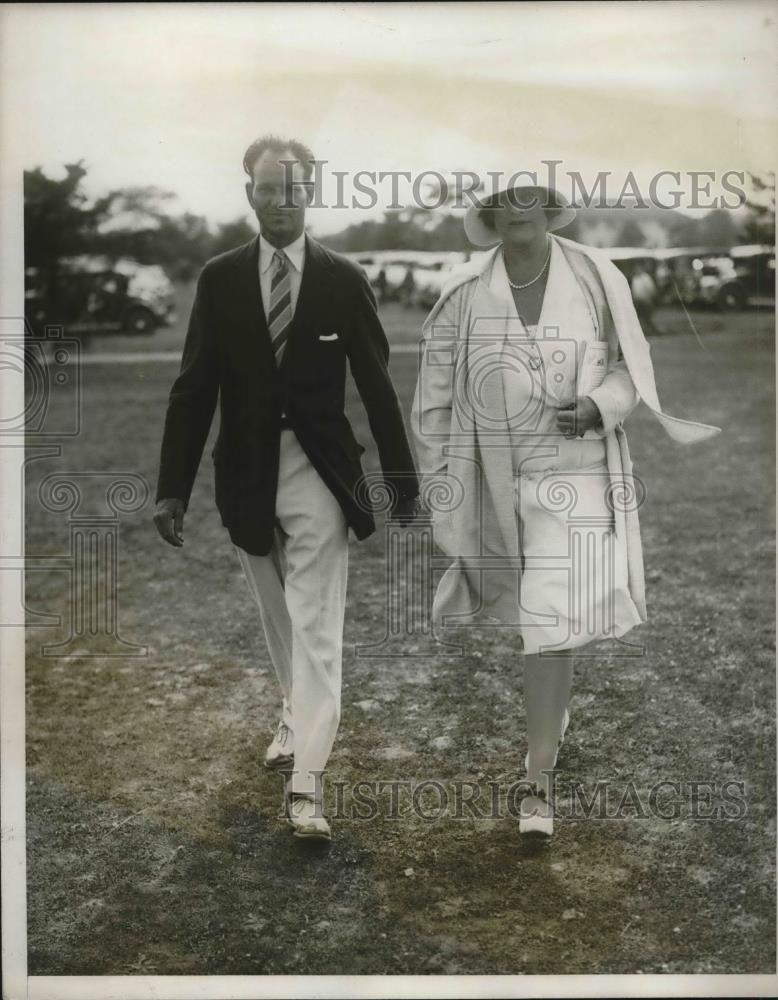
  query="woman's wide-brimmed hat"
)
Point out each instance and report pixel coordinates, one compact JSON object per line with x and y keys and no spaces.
{"x":558,"y":210}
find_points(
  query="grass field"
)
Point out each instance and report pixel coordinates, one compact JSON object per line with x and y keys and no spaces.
{"x":155,"y":845}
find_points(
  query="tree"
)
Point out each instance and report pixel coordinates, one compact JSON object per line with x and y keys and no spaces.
{"x":58,"y":222}
{"x":139,"y":225}
{"x":717,"y":229}
{"x":131,"y":222}
{"x":630,"y":234}
{"x":230,"y":235}
{"x":759,"y":226}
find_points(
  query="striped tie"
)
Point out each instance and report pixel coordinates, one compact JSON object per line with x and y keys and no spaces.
{"x":279,"y":317}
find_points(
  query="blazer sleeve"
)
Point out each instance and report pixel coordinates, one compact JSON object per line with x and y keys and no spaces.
{"x":616,"y":397}
{"x":191,"y":404}
{"x":368,"y":354}
{"x":432,"y":404}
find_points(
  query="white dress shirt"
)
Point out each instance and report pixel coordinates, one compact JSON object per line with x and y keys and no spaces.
{"x":295,"y":252}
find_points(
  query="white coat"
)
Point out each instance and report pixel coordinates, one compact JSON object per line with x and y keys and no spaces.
{"x":459,"y":423}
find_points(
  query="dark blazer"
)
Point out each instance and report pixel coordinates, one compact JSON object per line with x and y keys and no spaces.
{"x":227,"y":355}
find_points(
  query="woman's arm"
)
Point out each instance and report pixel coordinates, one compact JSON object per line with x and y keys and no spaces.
{"x":616,"y":397}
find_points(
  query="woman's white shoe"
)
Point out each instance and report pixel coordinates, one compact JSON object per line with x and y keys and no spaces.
{"x":536,"y":815}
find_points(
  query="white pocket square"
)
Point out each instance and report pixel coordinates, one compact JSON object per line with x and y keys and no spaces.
{"x":329,"y":336}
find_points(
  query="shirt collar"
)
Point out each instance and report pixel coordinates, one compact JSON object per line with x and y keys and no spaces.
{"x":295,"y":251}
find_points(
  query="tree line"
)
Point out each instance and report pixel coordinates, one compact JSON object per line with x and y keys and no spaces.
{"x":136,"y":222}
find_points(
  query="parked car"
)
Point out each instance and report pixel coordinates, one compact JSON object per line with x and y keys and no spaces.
{"x":717,"y":283}
{"x":698,"y":276}
{"x":731,"y":278}
{"x":755,"y":270}
{"x":95,"y":295}
{"x":387,"y":271}
{"x":713,"y":280}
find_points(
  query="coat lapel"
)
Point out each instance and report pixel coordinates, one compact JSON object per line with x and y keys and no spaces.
{"x":252,"y":309}
{"x":249,"y":302}
{"x":491,"y":315}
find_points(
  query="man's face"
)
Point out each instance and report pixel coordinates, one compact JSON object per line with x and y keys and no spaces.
{"x":278,"y":198}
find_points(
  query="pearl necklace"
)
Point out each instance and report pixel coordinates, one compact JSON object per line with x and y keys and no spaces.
{"x":537,"y":276}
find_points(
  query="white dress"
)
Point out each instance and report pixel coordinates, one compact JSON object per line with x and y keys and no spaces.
{"x":574,"y":577}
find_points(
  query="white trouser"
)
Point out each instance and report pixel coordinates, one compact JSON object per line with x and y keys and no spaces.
{"x":300,"y":588}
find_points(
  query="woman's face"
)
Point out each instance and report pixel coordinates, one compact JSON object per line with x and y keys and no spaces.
{"x":520,"y":219}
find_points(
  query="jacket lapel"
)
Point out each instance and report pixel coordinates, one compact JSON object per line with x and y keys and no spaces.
{"x":249,"y":301}
{"x":490,"y":316}
{"x":491,"y":313}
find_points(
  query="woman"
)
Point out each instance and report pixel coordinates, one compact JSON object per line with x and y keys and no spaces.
{"x":542,"y":522}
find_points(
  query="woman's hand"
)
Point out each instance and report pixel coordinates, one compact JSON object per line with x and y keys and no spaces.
{"x":576,"y":418}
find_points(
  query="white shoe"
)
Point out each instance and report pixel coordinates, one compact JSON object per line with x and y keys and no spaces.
{"x":536,"y":815}
{"x":565,"y":724}
{"x":280,"y":753}
{"x":306,"y":818}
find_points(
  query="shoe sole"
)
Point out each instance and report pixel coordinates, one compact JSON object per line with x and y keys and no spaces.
{"x":308,"y":836}
{"x":312,"y":836}
{"x":274,"y":765}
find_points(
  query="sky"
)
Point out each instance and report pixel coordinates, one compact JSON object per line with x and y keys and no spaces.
{"x":171,"y":94}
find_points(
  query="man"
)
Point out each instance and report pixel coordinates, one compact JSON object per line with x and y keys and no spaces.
{"x":272,"y":326}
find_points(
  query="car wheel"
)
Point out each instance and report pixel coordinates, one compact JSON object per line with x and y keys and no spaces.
{"x":139,"y":321}
{"x":731,"y":297}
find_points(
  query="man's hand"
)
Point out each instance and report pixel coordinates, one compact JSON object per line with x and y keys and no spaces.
{"x":576,"y":418}
{"x":406,"y":510}
{"x":169,"y":519}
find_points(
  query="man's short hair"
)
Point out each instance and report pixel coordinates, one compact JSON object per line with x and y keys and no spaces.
{"x":275,"y":144}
